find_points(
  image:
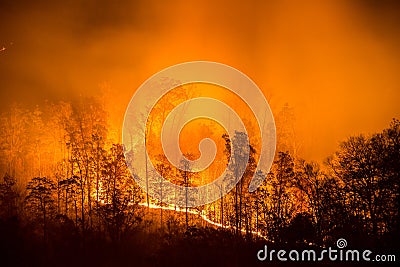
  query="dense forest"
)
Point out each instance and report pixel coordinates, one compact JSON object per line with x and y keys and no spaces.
{"x":67,"y":197}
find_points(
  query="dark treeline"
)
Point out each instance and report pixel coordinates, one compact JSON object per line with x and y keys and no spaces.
{"x":68,"y":199}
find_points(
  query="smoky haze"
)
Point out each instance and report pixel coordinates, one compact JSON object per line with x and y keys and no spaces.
{"x":335,"y":62}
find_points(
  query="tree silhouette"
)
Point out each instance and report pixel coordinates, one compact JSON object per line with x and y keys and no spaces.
{"x":86,"y":133}
{"x":310,"y":180}
{"x":368,"y":166}
{"x":8,"y":197}
{"x":187,"y":178}
{"x":70,"y":196}
{"x":120,"y":196}
{"x":40,"y":201}
{"x":165,"y":171}
{"x":280,"y":180}
{"x":237,"y":166}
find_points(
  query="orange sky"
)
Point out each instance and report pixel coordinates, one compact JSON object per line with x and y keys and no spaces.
{"x":335,"y":62}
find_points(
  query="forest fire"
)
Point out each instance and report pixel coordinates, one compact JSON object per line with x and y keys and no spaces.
{"x":85,"y":181}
